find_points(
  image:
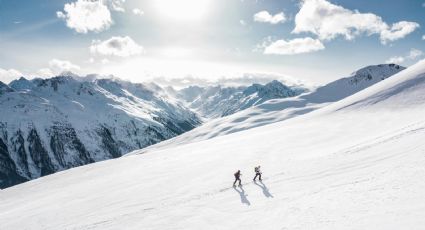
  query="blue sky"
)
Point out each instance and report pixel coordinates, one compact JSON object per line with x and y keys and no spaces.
{"x":314,"y":40}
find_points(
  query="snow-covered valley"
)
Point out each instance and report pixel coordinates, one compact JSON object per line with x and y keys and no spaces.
{"x":357,"y":163}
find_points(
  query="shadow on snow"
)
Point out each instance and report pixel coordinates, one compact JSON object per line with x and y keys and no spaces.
{"x":266,"y":191}
{"x":243,"y":195}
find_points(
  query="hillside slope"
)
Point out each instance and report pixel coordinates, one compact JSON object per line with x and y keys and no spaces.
{"x":356,"y":164}
{"x":67,"y":121}
{"x":276,"y":110}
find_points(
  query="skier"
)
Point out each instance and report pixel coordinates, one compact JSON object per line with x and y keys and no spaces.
{"x":237,"y":177}
{"x":257,"y":173}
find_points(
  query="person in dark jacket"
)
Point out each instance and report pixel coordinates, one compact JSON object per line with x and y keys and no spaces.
{"x":257,"y":173}
{"x":237,"y":177}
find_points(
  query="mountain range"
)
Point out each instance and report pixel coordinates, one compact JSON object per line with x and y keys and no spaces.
{"x":279,"y":109}
{"x":49,"y":125}
{"x":355,"y":163}
{"x":221,"y":101}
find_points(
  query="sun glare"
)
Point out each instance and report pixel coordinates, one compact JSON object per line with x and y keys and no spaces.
{"x":175,"y":52}
{"x":185,"y":10}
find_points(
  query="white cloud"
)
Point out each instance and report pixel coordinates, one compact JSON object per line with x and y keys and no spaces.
{"x":8,"y":75}
{"x":395,"y":60}
{"x":423,"y":37}
{"x":412,"y":55}
{"x":295,"y":46}
{"x":57,"y":66}
{"x":116,"y":46}
{"x":60,"y":15}
{"x":116,"y":5}
{"x":236,"y":79}
{"x":242,"y":22}
{"x":264,"y":16}
{"x":86,"y":15}
{"x":137,"y":11}
{"x":45,"y":72}
{"x":398,"y":30}
{"x":329,"y":21}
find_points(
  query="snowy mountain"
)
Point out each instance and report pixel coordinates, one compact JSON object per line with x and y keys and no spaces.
{"x":59,"y":123}
{"x":276,"y":110}
{"x":69,"y":121}
{"x":353,"y":164}
{"x":220,"y":101}
{"x":4,"y":88}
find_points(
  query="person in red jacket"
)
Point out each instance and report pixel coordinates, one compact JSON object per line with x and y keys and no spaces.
{"x":237,"y":177}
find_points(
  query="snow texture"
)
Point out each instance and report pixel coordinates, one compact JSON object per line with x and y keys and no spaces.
{"x":357,"y":163}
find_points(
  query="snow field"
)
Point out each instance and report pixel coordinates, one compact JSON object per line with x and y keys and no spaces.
{"x":355,"y":164}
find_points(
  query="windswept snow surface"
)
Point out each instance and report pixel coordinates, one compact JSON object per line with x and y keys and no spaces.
{"x":355,"y":164}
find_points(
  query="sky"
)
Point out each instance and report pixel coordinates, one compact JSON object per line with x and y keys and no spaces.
{"x":313,"y":40}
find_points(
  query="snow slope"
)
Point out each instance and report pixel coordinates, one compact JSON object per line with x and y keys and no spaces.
{"x":355,"y":164}
{"x":275,"y":110}
{"x":67,"y":121}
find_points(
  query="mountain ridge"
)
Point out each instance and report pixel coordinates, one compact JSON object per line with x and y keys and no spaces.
{"x":220,"y":101}
{"x":62,"y":122}
{"x":276,"y":110}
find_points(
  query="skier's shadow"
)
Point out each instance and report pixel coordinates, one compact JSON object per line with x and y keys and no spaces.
{"x":241,"y":192}
{"x":266,"y":191}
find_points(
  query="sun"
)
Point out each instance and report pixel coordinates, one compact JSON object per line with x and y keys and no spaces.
{"x":184,"y":10}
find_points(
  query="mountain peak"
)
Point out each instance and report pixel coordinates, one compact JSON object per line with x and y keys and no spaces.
{"x":4,"y":88}
{"x":21,"y":84}
{"x":377,"y":72}
{"x":273,"y":89}
{"x":276,"y":84}
{"x":69,"y":74}
{"x":55,"y":82}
